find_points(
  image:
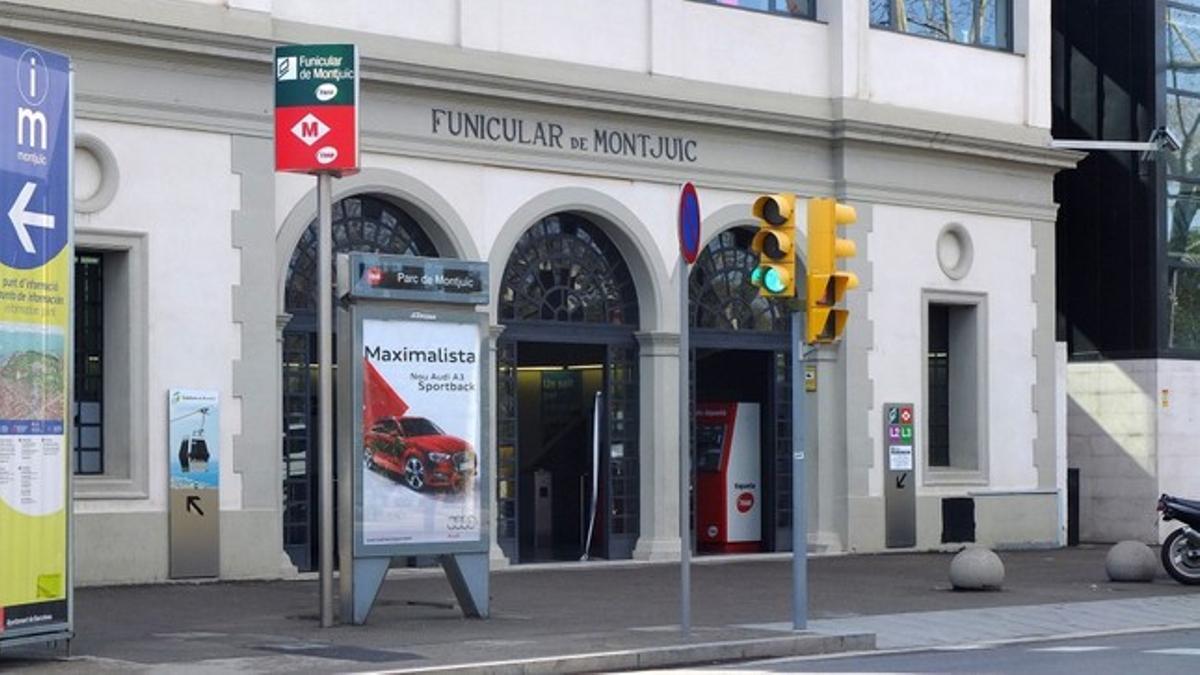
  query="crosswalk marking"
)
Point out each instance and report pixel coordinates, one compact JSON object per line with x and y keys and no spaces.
{"x":1069,"y":649}
{"x":1177,"y":651}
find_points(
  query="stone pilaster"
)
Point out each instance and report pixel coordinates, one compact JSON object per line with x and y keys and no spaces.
{"x":659,"y":364}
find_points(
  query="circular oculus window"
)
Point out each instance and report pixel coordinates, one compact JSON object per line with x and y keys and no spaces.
{"x":955,"y":252}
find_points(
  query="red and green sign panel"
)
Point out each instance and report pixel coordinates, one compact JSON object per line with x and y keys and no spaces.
{"x":316,"y":109}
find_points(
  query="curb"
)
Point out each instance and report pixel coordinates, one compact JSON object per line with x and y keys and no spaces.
{"x":808,"y":644}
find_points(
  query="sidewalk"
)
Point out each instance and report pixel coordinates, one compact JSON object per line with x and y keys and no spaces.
{"x":618,"y":615}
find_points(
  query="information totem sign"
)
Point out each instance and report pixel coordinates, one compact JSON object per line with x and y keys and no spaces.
{"x":36,"y":259}
{"x":899,"y":483}
{"x":414,"y":470}
{"x":194,"y":455}
{"x":316,"y":109}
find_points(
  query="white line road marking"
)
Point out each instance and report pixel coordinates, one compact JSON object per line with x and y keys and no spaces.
{"x":959,"y":648}
{"x":1066,"y":649}
{"x":1178,"y":651}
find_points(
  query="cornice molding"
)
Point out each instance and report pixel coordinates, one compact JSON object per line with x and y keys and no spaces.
{"x":1052,"y":159}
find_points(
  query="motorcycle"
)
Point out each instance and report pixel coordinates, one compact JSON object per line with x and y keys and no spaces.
{"x":1181,"y":549}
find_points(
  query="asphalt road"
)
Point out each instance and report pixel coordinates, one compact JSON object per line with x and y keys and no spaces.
{"x":1160,"y":652}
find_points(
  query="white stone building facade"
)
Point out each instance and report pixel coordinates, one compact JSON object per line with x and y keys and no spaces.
{"x":941,"y":147}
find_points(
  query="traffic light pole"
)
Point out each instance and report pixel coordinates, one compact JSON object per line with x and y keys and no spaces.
{"x":799,"y":512}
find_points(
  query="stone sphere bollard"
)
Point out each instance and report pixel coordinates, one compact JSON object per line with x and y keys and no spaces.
{"x":1131,"y":561}
{"x":976,"y":569}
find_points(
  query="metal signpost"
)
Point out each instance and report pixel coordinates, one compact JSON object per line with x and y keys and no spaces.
{"x":316,"y":131}
{"x":414,"y":468}
{"x":36,"y":261}
{"x":689,"y":248}
{"x":194,"y":458}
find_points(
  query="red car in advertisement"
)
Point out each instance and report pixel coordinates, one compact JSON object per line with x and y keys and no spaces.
{"x":416,"y":452}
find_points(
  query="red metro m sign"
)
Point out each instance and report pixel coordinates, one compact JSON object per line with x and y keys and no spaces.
{"x":316,"y":109}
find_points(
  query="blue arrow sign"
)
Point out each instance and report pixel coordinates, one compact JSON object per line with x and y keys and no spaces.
{"x":35,"y":152}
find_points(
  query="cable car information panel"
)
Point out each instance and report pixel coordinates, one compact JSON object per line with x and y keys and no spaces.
{"x":193,"y":453}
{"x":36,"y":149}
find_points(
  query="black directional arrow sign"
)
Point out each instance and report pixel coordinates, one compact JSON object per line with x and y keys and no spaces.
{"x":193,"y":504}
{"x":899,"y":482}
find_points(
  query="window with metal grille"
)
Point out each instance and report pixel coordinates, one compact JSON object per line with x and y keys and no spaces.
{"x":566,"y":269}
{"x":939,"y":385}
{"x":88,"y":431}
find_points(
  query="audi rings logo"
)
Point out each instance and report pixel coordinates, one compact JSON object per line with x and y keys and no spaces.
{"x":458,"y":523}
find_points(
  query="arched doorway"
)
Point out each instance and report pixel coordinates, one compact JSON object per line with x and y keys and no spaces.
{"x":360,"y":223}
{"x":569,"y":309}
{"x":740,"y":354}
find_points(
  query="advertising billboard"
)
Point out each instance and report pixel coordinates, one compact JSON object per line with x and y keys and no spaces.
{"x":35,"y":326}
{"x":420,"y":470}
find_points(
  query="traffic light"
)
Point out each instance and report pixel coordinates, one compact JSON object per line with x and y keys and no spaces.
{"x":826,"y":284}
{"x":775,"y":244}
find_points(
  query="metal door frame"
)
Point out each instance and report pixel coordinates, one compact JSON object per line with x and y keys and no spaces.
{"x":609,"y":337}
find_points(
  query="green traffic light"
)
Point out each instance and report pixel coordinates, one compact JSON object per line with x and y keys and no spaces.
{"x":773,"y":281}
{"x":756,"y":277}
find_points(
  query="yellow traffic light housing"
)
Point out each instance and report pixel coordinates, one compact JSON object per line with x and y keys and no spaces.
{"x":775,"y":244}
{"x":826,"y":285}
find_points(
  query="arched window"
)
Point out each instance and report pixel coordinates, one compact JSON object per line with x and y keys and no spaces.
{"x":722,"y":297}
{"x":360,"y":223}
{"x":565,"y":269}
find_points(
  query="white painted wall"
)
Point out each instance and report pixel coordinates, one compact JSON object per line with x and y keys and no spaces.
{"x":902,"y":250}
{"x":838,"y":56}
{"x":913,"y":72}
{"x":426,"y":20}
{"x":1178,"y":412}
{"x":1111,"y":426}
{"x":611,"y":34}
{"x":192,"y":266}
{"x":1133,"y":434}
{"x":710,"y":43}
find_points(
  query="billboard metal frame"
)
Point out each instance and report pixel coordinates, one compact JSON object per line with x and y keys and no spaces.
{"x":363,"y":565}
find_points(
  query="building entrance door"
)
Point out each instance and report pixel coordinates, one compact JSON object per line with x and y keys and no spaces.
{"x":557,"y":385}
{"x":758,"y":376}
{"x":740,"y":353}
{"x":549,"y":470}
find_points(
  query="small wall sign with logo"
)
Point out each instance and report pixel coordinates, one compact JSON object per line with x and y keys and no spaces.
{"x":316,"y":109}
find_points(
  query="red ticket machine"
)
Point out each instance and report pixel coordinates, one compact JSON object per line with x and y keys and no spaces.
{"x":728,"y":477}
